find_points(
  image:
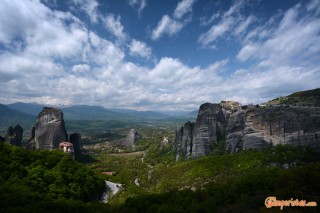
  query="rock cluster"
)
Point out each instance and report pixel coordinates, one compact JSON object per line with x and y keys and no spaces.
{"x":243,"y":129}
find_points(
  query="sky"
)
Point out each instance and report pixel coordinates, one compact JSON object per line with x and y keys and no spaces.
{"x":163,"y":55}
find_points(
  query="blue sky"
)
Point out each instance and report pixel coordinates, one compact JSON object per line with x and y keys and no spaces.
{"x":157,"y":55}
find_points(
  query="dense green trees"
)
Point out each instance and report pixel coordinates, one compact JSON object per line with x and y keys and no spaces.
{"x":33,"y":179}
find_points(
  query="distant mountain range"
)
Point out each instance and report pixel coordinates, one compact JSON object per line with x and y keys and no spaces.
{"x":25,"y":114}
{"x":12,"y":117}
{"x":85,"y":112}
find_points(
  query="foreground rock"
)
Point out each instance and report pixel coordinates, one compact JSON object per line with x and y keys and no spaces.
{"x":111,"y":190}
{"x":14,"y":135}
{"x":249,"y":128}
{"x":49,"y":129}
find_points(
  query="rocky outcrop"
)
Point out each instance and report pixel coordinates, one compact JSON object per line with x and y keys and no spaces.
{"x":183,"y":141}
{"x":49,"y":129}
{"x":165,"y":141}
{"x":14,"y":135}
{"x":249,"y":128}
{"x":75,"y":140}
{"x":197,"y":139}
{"x":133,"y":136}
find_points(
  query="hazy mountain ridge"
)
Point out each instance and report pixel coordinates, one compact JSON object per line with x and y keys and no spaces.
{"x":11,"y":117}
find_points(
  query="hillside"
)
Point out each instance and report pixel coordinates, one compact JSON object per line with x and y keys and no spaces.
{"x":309,"y":98}
{"x":10,"y":117}
{"x":28,"y":108}
{"x":141,"y":114}
{"x":216,"y":183}
{"x":83,"y":112}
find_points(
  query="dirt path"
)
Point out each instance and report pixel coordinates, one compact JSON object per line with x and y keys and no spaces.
{"x":128,"y":154}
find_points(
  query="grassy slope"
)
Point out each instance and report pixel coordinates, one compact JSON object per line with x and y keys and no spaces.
{"x":248,"y":175}
{"x":303,"y":98}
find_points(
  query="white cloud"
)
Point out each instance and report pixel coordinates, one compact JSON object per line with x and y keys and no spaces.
{"x":166,"y":26}
{"x":51,"y":57}
{"x":183,"y":7}
{"x":172,"y":26}
{"x":215,"y":32}
{"x":294,"y":40}
{"x":244,"y":25}
{"x":114,"y":26}
{"x":246,"y":52}
{"x":90,"y":7}
{"x":140,"y":48}
{"x":231,"y":23}
{"x":140,"y":4}
{"x":79,"y":68}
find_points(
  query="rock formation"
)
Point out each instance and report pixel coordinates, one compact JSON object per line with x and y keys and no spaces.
{"x":132,"y":137}
{"x":14,"y":135}
{"x":257,"y":128}
{"x":165,"y":141}
{"x":75,"y":140}
{"x":249,"y":128}
{"x":197,"y":139}
{"x":49,"y":129}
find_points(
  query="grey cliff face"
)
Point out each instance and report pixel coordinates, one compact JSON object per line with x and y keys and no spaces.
{"x":197,"y":139}
{"x":265,"y":127}
{"x":183,"y":141}
{"x":250,"y":128}
{"x":132,"y":137}
{"x":14,"y":135}
{"x":49,"y":129}
{"x":209,"y":126}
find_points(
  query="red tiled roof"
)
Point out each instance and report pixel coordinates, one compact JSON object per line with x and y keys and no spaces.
{"x":65,"y":143}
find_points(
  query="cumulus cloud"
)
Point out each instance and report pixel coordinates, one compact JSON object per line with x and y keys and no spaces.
{"x":52,"y":57}
{"x":166,"y":26}
{"x":113,"y":25}
{"x":139,"y":48}
{"x":79,"y":68}
{"x":90,"y":7}
{"x":172,"y":26}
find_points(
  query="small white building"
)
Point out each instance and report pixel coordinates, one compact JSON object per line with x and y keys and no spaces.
{"x":67,"y":147}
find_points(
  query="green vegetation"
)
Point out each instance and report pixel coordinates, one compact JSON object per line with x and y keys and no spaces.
{"x":38,"y":181}
{"x":245,"y":193}
{"x":33,"y":181}
{"x":309,"y":98}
